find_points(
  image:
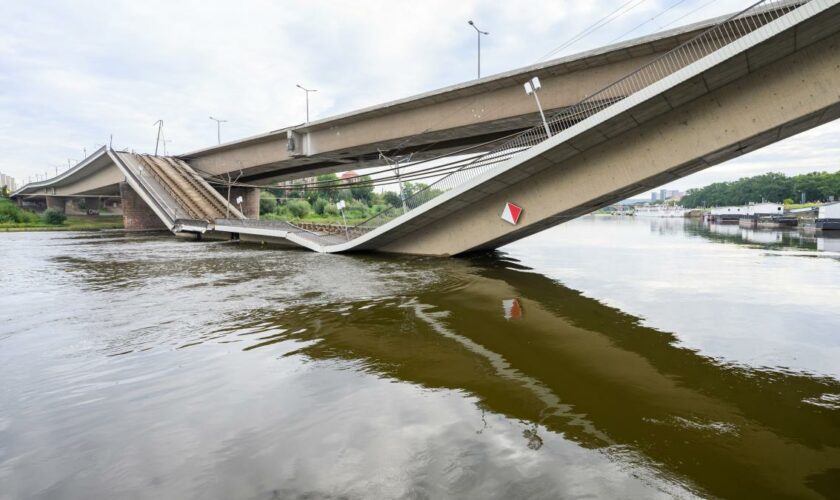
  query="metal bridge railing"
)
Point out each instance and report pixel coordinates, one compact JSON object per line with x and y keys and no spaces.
{"x":712,"y":39}
{"x":150,"y":188}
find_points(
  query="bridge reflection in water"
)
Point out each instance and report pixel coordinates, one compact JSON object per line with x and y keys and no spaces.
{"x":573,"y":366}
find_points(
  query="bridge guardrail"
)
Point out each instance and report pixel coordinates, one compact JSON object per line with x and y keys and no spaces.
{"x":710,"y":40}
{"x":148,"y":187}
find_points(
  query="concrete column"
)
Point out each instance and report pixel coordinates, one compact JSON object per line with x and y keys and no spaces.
{"x":92,"y":203}
{"x":250,"y":200}
{"x":137,"y":215}
{"x":59,"y":202}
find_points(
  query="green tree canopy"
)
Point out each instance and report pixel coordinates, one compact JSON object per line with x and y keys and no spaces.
{"x":773,"y":187}
{"x":362,"y":190}
{"x":268,"y":203}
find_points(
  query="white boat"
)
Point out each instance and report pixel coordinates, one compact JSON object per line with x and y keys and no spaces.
{"x":828,"y":217}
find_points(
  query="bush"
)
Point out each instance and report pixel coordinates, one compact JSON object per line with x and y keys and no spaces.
{"x":53,"y":216}
{"x":298,"y":208}
{"x":320,"y":205}
{"x":357,"y":206}
{"x":331,"y":209}
{"x":268,"y":204}
{"x":10,"y":213}
{"x":375,"y":209}
{"x":344,"y":194}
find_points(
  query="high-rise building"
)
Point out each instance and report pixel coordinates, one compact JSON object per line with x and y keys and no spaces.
{"x":8,"y":181}
{"x":653,"y":196}
{"x":663,"y":194}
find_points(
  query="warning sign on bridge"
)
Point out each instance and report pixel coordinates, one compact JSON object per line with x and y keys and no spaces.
{"x":511,"y":213}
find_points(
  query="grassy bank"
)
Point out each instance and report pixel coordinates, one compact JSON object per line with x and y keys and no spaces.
{"x":73,"y":223}
{"x":13,"y":218}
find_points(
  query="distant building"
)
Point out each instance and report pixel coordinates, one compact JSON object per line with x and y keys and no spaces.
{"x":663,"y":194}
{"x":350,"y":176}
{"x":296,"y":184}
{"x":8,"y":181}
{"x":653,"y":196}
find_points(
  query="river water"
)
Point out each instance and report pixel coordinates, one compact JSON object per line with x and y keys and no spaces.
{"x":607,"y":357}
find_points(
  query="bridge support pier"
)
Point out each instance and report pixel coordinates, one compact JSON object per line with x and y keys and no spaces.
{"x":58,"y":202}
{"x":250,"y":200}
{"x":92,"y":203}
{"x":137,"y":215}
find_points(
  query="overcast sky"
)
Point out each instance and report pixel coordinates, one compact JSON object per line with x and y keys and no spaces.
{"x":72,"y":73}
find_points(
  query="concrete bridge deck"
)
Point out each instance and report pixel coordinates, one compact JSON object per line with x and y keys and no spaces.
{"x":437,"y":122}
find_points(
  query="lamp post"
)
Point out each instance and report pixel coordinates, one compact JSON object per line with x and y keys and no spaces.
{"x":159,"y":123}
{"x":218,"y":129}
{"x":531,"y":87}
{"x":307,"y":98}
{"x":478,"y":33}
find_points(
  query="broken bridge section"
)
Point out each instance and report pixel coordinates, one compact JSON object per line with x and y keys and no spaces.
{"x":183,"y":199}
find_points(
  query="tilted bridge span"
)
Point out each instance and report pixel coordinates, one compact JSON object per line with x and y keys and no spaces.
{"x":720,"y":90}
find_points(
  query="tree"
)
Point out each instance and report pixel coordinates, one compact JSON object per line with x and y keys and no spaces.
{"x":392,"y":198}
{"x":298,"y":208}
{"x":320,"y":205}
{"x":417,"y":193}
{"x":362,"y":189}
{"x":328,"y":183}
{"x":774,"y":187}
{"x":268,"y":204}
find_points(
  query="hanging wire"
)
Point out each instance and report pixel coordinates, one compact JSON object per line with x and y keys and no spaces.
{"x":594,"y":27}
{"x":677,"y":3}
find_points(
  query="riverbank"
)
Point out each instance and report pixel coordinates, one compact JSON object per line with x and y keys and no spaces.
{"x":72,"y":223}
{"x":14,"y":218}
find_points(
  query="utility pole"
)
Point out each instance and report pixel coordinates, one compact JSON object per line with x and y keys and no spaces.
{"x":478,"y":33}
{"x":396,"y":163}
{"x":159,"y":123}
{"x":218,"y":129}
{"x":307,"y":99}
{"x":229,"y":183}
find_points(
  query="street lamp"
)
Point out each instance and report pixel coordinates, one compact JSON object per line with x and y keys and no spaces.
{"x":159,"y":123}
{"x":531,"y":87}
{"x":307,"y":98}
{"x":218,"y":129}
{"x":478,"y":33}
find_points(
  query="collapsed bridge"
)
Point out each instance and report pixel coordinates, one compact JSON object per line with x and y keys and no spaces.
{"x":622,"y":120}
